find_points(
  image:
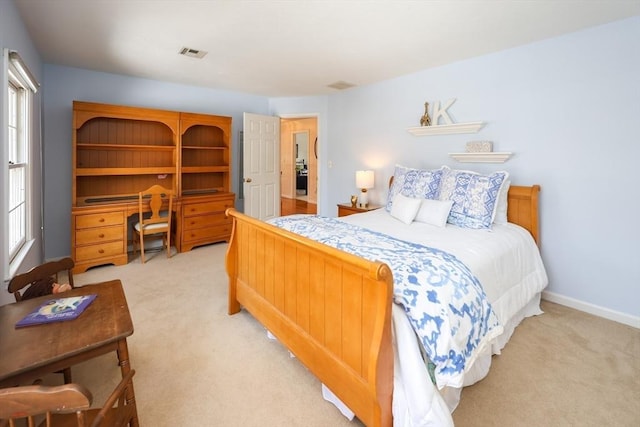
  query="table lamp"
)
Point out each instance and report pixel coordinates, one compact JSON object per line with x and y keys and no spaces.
{"x":364,"y":181}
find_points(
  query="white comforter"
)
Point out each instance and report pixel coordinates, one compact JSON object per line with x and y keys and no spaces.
{"x":507,"y":263}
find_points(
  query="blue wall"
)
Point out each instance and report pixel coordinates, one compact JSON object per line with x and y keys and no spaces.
{"x":567,"y":107}
{"x":14,"y":36}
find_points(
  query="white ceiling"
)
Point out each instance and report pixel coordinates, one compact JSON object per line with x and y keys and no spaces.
{"x":295,"y":48}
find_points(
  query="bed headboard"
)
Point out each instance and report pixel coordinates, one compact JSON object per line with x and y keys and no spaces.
{"x":522,"y":208}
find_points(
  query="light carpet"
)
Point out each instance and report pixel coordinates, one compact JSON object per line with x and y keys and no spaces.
{"x":197,"y":366}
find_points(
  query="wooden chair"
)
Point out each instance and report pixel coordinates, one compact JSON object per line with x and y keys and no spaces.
{"x":39,"y":281}
{"x":159,"y":223}
{"x":67,"y":405}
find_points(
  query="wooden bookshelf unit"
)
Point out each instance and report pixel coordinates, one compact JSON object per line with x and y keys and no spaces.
{"x":119,"y":151}
{"x":205,"y":178}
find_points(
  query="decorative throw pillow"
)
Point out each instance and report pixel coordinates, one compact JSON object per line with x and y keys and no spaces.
{"x":416,"y":183}
{"x":501,"y":207}
{"x":474,"y":196}
{"x":434,"y":212}
{"x":405,"y":208}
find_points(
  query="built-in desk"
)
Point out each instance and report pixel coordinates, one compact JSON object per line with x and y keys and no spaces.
{"x":100,"y":228}
{"x":119,"y":151}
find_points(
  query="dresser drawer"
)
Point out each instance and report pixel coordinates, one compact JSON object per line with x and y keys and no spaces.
{"x":193,"y":222}
{"x":221,"y":232}
{"x":99,"y":234}
{"x":99,"y":220}
{"x":207,"y":207}
{"x":89,"y":252}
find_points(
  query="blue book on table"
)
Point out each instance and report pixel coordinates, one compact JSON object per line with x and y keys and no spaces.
{"x":57,"y":310}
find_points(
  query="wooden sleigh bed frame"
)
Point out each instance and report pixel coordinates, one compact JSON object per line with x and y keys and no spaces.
{"x":331,"y":309}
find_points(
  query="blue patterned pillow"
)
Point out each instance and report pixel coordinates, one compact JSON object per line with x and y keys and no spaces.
{"x":415,"y":183}
{"x":474,"y":196}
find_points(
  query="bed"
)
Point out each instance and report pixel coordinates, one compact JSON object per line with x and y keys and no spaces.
{"x":333,"y":310}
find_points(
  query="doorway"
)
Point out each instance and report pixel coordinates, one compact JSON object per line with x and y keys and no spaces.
{"x":299,"y":164}
{"x":301,"y":158}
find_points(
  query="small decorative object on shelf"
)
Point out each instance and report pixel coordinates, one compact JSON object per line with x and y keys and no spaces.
{"x":354,"y":201}
{"x":429,"y":124}
{"x":425,"y":120}
{"x":479,"y":147}
{"x":480,"y":152}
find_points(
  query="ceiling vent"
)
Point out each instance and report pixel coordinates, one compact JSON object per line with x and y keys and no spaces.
{"x":194,"y":53}
{"x":341,"y":85}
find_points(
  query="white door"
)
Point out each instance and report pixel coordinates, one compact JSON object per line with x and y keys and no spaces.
{"x":261,"y":164}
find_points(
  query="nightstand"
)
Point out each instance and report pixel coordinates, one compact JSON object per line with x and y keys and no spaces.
{"x":345,"y":209}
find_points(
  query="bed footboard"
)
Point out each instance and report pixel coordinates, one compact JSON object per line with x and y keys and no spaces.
{"x":331,"y":309}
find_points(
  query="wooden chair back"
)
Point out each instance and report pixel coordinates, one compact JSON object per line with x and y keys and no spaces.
{"x":37,"y":281}
{"x":159,"y":201}
{"x":67,"y":405}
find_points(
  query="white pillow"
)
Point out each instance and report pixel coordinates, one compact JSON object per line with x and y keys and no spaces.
{"x":405,"y":208}
{"x":434,"y":212}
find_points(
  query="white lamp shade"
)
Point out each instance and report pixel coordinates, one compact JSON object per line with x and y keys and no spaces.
{"x":364,"y":179}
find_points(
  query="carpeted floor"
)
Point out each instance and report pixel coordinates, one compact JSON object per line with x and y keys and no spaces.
{"x":198,"y":366}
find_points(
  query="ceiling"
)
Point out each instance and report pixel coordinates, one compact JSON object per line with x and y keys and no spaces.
{"x":295,"y":48}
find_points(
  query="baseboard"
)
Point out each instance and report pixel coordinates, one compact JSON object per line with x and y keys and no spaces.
{"x":596,"y":310}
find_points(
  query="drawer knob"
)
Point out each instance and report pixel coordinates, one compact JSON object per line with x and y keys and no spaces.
{"x":101,"y":251}
{"x":101,"y":219}
{"x":101,"y":236}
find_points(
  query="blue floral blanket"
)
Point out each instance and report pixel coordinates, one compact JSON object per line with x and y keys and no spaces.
{"x":444,"y":301}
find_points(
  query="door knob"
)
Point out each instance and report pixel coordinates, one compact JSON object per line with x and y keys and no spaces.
{"x":247,"y":180}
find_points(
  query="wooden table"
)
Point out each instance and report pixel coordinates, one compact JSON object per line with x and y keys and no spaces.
{"x":31,"y":352}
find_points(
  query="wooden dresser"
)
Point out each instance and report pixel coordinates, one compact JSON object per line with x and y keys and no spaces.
{"x":119,"y":151}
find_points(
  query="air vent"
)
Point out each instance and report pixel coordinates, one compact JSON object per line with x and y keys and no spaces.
{"x":341,"y":85}
{"x":194,"y":53}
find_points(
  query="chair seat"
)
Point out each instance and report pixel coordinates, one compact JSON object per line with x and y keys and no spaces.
{"x":160,"y":226}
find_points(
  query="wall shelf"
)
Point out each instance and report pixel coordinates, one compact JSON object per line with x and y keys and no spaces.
{"x":470,"y":127}
{"x":490,"y":157}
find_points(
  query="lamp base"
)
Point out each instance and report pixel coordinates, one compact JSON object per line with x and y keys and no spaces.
{"x":364,"y":199}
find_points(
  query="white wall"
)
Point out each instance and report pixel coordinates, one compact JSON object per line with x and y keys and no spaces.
{"x":567,"y":107}
{"x":14,"y":36}
{"x":63,"y":85}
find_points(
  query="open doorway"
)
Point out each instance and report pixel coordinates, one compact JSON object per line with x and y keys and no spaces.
{"x":298,"y":165}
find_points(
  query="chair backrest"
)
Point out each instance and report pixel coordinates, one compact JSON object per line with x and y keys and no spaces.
{"x":64,"y":403}
{"x":39,"y":279}
{"x":157,"y":199}
{"x":27,"y":402}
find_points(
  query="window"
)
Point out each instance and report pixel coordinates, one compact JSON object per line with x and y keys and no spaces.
{"x":18,"y":165}
{"x":19,"y":120}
